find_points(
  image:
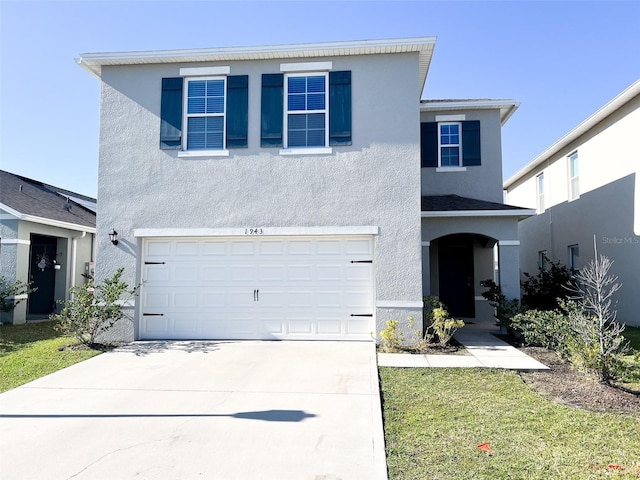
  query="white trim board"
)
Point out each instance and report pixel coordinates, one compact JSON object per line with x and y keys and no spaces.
{"x":525,"y":212}
{"x":14,"y":241}
{"x":248,"y":231}
{"x":398,"y":304}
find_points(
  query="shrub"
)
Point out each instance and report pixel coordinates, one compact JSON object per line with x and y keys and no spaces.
{"x":10,"y":290}
{"x":542,"y":291}
{"x":504,"y":310}
{"x":439,"y":327}
{"x":392,"y":340}
{"x":93,"y":309}
{"x":547,"y":328}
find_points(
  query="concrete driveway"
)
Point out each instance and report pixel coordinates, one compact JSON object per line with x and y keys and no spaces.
{"x":205,"y":410}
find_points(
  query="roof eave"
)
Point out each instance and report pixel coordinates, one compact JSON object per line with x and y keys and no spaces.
{"x":520,"y":213}
{"x":507,"y":107}
{"x":46,"y":221}
{"x":624,"y":97}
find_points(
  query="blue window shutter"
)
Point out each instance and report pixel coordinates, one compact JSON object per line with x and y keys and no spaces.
{"x":340,"y":108}
{"x":272,"y":110}
{"x":471,"y":143}
{"x":429,"y":144}
{"x":237,"y":111}
{"x":171,"y":114}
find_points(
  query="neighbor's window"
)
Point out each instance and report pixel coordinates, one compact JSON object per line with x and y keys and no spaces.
{"x":574,"y":253}
{"x":205,"y":113}
{"x":540,"y":192}
{"x":306,"y":110}
{"x":542,"y":259}
{"x":449,"y":145}
{"x":574,"y":184}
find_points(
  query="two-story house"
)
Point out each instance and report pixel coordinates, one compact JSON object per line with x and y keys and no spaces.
{"x":584,"y":188}
{"x":276,"y":192}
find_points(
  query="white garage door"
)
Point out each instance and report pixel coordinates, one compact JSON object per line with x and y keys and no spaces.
{"x":306,"y":288}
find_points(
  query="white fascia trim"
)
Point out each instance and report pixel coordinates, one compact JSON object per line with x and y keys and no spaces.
{"x":451,"y":118}
{"x":398,"y":304}
{"x":47,"y":221}
{"x":202,"y":153}
{"x":204,"y":71}
{"x":306,"y":67}
{"x":306,"y":151}
{"x":627,"y":95}
{"x":451,"y":169}
{"x":479,"y":213}
{"x":14,"y":241}
{"x":509,"y":243}
{"x":245,"y":232}
{"x":507,"y":106}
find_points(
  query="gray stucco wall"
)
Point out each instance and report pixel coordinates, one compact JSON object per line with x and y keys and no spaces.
{"x":482,"y":182}
{"x":374,"y":182}
{"x":607,"y":214}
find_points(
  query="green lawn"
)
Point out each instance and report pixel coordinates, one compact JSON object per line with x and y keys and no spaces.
{"x":436,"y":418}
{"x":630,"y":376}
{"x":33,"y":350}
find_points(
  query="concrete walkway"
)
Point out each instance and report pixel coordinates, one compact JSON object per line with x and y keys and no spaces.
{"x":484,"y":348}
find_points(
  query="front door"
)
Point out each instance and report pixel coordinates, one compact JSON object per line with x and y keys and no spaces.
{"x":42,"y":274}
{"x":455,"y":258}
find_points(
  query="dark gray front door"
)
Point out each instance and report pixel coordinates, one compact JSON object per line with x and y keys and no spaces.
{"x":42,"y":274}
{"x":455,"y":259}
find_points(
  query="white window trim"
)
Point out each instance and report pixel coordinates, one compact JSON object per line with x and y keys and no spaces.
{"x":306,"y":151}
{"x":451,"y":118}
{"x":540,"y":193}
{"x":285,"y":123}
{"x":572,"y":194}
{"x":451,"y":168}
{"x":205,"y":71}
{"x":185,"y":152}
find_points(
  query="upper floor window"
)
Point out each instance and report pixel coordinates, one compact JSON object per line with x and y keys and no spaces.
{"x":205,"y":113}
{"x":307,"y":119}
{"x":574,"y":180}
{"x":448,"y":145}
{"x":306,"y":111}
{"x":542,"y":259}
{"x":540,"y":192}
{"x":573,"y":252}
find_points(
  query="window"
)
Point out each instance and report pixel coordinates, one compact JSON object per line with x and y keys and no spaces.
{"x":542,"y":259}
{"x":305,"y":110}
{"x":574,"y":184}
{"x":574,"y":253}
{"x":205,"y":112}
{"x":448,"y":145}
{"x":540,"y":192}
{"x":307,"y":119}
{"x":213,"y":108}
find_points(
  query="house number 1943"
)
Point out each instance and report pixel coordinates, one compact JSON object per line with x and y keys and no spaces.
{"x":253,"y":231}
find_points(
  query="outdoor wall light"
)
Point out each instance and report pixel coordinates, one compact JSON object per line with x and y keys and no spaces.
{"x":113,"y":236}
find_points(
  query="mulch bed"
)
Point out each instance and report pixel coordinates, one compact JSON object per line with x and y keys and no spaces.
{"x":567,"y":386}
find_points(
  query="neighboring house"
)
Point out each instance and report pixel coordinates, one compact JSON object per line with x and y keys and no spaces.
{"x":275,"y":192}
{"x":585,"y":188}
{"x":46,"y":238}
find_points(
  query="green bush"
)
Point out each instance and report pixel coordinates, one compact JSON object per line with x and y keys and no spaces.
{"x":94,"y":309}
{"x":10,"y":290}
{"x":504,"y":310}
{"x":546,"y":328}
{"x":392,"y":339}
{"x":439,"y":326}
{"x":542,"y":291}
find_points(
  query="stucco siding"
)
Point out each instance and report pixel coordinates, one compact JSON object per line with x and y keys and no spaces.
{"x":374,"y":182}
{"x":482,"y":182}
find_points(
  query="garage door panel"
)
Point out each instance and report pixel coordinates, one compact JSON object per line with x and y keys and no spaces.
{"x":258,"y":288}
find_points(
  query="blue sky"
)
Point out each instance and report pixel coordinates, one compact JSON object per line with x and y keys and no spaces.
{"x":561,"y":60}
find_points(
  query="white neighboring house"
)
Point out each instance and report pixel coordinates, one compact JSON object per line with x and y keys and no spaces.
{"x":586,"y":185}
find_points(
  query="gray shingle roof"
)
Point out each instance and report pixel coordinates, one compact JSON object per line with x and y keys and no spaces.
{"x":31,"y":197}
{"x":447,"y":203}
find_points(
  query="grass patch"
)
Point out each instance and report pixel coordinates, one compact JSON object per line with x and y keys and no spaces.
{"x":436,"y":418}
{"x":630,"y":375}
{"x":34,"y":350}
